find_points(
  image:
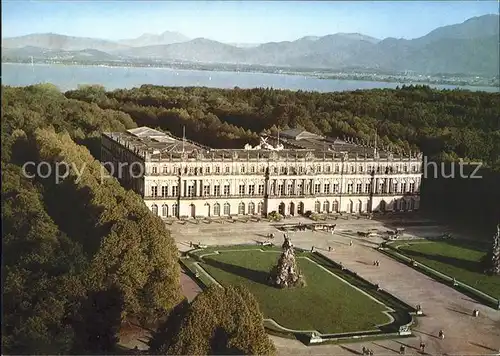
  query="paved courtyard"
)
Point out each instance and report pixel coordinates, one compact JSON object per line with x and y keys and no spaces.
{"x":444,"y":307}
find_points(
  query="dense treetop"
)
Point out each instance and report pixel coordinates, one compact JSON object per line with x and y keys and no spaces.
{"x":77,"y":239}
{"x":444,"y":124}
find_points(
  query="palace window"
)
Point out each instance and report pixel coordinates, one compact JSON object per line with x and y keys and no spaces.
{"x":283,"y":170}
{"x":301,"y":169}
{"x":217,"y":190}
{"x":191,"y":170}
{"x":275,"y":170}
{"x":405,"y":168}
{"x":165,"y":169}
{"x":206,"y":190}
{"x":242,"y":169}
{"x":317,"y":207}
{"x":358,"y":188}
{"x":217,"y":169}
{"x":352,"y":169}
{"x":395,"y":187}
{"x":164,"y":210}
{"x":227,"y":169}
{"x":227,"y":209}
{"x":252,"y":169}
{"x":326,"y":206}
{"x":328,"y":169}
{"x":349,"y":188}
{"x":259,"y":208}
{"x":226,"y":189}
{"x":175,"y":191}
{"x":164,"y":191}
{"x":326,"y":188}
{"x":335,"y":187}
{"x":403,"y":187}
{"x":262,"y":169}
{"x":174,"y":210}
{"x":216,"y":209}
{"x":207,"y":170}
{"x":317,"y":188}
{"x":155,"y":170}
{"x":337,"y":168}
{"x":289,"y":189}
{"x":368,"y":188}
{"x":318,"y":169}
{"x":154,"y":191}
{"x":300,"y":189}
{"x":154,"y":209}
{"x":251,"y":208}
{"x":251,"y":189}
{"x":242,"y":189}
{"x":261,"y":189}
{"x":412,"y":187}
{"x":361,"y":169}
{"x":280,"y":189}
{"x":190,"y":191}
{"x":241,"y":208}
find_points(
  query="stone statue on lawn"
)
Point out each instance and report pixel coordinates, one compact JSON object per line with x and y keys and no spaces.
{"x":286,"y":273}
{"x":492,"y":259}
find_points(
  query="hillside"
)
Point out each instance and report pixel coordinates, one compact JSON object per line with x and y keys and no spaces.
{"x":467,"y":48}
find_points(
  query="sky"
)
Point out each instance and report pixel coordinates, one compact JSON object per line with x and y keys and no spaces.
{"x":236,"y":21}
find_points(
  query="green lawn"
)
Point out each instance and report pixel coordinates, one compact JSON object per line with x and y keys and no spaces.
{"x":326,"y":304}
{"x":455,"y":259}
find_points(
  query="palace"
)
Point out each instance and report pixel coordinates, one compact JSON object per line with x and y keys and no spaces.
{"x":293,"y":173}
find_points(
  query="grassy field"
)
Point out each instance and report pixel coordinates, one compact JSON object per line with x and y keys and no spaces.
{"x":326,"y":304}
{"x":456,"y":259}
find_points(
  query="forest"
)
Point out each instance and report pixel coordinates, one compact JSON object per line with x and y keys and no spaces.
{"x":443,"y":124}
{"x":83,"y":256}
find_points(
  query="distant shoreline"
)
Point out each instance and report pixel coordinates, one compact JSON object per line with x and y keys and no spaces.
{"x":341,"y":76}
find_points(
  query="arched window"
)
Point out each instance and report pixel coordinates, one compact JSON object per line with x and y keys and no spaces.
{"x":335,"y":206}
{"x":326,"y":206}
{"x":154,"y":209}
{"x":259,"y":208}
{"x":241,"y":208}
{"x":164,"y":210}
{"x":174,"y":210}
{"x":317,"y":207}
{"x":216,"y":209}
{"x":251,"y":208}
{"x":227,"y":209}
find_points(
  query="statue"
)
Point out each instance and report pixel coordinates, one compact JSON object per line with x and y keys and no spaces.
{"x":492,"y":259}
{"x":286,"y":273}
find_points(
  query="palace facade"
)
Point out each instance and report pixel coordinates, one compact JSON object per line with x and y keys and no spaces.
{"x":292,"y":174}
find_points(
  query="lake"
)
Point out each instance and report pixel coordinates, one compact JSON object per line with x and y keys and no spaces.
{"x":68,"y":77}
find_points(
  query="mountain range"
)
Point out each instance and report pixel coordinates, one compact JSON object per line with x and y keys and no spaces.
{"x":471,"y":47}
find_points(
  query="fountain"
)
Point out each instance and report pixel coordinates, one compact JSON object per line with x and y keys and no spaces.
{"x":286,"y":273}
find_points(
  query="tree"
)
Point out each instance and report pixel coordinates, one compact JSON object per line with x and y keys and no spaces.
{"x":100,"y":320}
{"x":492,"y":259}
{"x":222,"y":322}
